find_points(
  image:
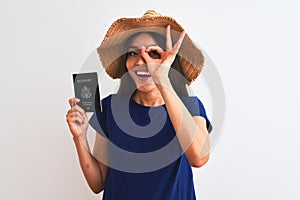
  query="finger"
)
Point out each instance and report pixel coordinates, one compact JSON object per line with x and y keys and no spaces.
{"x":75,"y":116}
{"x":77,"y":120}
{"x":79,"y":109}
{"x":145,"y":55}
{"x":72,"y":113}
{"x":168,"y":39}
{"x":155,"y":48}
{"x":179,"y":42}
{"x":85,"y":117}
{"x":73,"y":101}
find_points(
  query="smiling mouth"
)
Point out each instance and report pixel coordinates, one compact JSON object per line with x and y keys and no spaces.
{"x":143,"y":74}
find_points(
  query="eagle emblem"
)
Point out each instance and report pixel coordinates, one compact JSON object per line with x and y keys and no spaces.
{"x":86,"y":92}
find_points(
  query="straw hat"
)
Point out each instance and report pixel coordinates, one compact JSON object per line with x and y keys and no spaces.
{"x":113,"y":45}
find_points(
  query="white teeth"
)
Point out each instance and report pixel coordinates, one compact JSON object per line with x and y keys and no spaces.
{"x":143,"y":73}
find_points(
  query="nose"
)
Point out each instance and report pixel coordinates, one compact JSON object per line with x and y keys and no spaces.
{"x":141,"y":60}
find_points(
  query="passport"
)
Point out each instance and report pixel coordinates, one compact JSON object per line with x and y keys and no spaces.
{"x":86,"y":89}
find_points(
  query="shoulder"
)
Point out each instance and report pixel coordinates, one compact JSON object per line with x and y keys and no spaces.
{"x":106,"y":102}
{"x":189,"y":99}
{"x":192,"y":102}
{"x":196,"y":108}
{"x":107,"y":99}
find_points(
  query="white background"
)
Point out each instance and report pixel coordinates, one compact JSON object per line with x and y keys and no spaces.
{"x":254,"y":45}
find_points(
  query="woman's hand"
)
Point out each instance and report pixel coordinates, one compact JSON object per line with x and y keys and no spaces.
{"x":77,"y":119}
{"x":159,"y":61}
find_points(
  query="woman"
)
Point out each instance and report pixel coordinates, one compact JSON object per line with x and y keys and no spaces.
{"x":151,"y":132}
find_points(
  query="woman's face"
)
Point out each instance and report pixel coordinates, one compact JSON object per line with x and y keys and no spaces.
{"x":135,"y":63}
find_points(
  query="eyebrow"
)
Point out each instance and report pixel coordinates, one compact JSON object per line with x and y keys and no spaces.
{"x":135,"y":47}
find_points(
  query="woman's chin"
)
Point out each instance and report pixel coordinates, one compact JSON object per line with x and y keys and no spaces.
{"x":146,"y":87}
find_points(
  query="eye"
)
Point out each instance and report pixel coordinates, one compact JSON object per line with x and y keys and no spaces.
{"x":132,"y":54}
{"x":154,"y":55}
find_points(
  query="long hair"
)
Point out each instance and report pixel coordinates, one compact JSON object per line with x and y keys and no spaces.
{"x":176,"y":76}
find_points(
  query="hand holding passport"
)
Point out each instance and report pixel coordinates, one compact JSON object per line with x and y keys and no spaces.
{"x":86,"y":89}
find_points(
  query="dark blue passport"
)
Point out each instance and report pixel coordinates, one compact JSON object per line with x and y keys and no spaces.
{"x":86,"y":89}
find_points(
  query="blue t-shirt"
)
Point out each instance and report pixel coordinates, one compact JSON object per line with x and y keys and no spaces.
{"x":146,"y":161}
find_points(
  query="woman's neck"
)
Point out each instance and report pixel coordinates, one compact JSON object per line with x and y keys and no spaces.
{"x":149,"y":98}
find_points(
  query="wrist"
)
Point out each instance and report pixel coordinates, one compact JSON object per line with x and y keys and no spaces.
{"x":80,"y":140}
{"x":164,"y":84}
{"x":162,"y":81}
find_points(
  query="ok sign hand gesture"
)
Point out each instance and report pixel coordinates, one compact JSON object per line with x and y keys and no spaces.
{"x":160,"y":65}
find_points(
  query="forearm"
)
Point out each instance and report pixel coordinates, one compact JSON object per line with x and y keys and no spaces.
{"x":89,"y":165}
{"x":192,"y":137}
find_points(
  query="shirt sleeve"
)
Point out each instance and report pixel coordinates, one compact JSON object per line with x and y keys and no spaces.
{"x":196,"y":108}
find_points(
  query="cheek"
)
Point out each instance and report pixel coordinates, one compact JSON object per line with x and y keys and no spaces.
{"x":129,"y":64}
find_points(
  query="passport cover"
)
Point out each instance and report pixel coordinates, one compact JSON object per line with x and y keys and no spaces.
{"x":86,"y":89}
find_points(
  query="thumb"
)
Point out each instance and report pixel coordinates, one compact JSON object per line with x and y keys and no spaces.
{"x":146,"y":56}
{"x":73,"y":101}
